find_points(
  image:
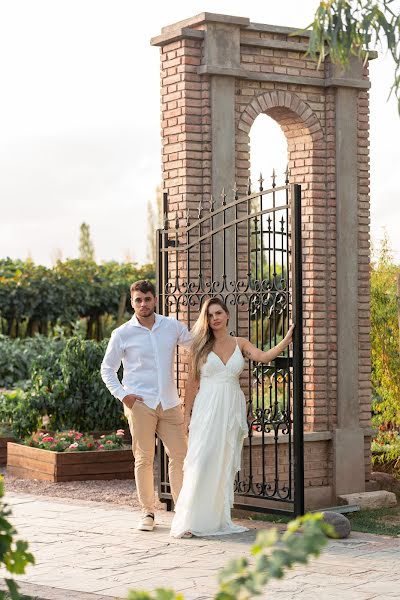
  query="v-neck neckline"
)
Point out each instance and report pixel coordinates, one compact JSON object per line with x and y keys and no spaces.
{"x":231,"y":356}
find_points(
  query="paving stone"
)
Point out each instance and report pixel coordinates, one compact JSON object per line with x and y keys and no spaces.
{"x":93,"y":550}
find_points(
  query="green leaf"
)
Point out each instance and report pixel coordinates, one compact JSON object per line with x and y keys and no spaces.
{"x":13,"y":589}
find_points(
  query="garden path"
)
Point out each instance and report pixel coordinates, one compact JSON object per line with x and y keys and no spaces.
{"x":92,"y":551}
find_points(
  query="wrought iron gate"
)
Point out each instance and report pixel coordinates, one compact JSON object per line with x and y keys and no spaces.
{"x":247,"y":252}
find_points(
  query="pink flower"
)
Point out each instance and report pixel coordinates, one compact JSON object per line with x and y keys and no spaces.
{"x":120,"y":433}
{"x":74,"y":445}
{"x":47,"y":439}
{"x":100,"y":447}
{"x":42,"y":434}
{"x":109,"y":442}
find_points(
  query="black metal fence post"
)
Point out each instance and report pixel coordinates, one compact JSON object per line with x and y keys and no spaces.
{"x":297,"y":307}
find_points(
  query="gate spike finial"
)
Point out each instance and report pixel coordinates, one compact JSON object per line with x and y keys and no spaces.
{"x":165,"y":220}
{"x":176,"y":221}
{"x":200,"y":208}
{"x":212,"y":202}
{"x":261,"y":181}
{"x":255,"y":224}
{"x":187,"y":217}
{"x":223,"y":196}
{"x":273,"y":177}
{"x":287,"y":174}
{"x":249,"y":186}
{"x":235,"y":191}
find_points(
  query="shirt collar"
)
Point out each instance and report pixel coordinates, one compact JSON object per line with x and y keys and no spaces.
{"x":135,"y":322}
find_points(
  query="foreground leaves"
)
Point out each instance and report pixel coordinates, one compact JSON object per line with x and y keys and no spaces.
{"x":14,"y":555}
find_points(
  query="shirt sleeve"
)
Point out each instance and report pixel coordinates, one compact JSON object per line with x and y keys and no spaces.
{"x":184,"y":335}
{"x":110,"y":365}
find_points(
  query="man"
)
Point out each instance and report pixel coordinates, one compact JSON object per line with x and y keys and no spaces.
{"x":146,"y":346}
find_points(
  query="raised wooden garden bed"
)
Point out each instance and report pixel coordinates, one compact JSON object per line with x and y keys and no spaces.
{"x":35,"y":463}
{"x":3,"y":448}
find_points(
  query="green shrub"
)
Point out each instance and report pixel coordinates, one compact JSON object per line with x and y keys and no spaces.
{"x":385,"y":376}
{"x":386,"y":450}
{"x":18,"y":413}
{"x":36,"y":299}
{"x":67,"y":387}
{"x":17,"y":357}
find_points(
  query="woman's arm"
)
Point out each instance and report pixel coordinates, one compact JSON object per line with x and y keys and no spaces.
{"x":253,"y":353}
{"x":192,"y":385}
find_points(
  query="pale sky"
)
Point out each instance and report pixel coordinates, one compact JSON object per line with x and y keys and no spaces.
{"x":80,"y":122}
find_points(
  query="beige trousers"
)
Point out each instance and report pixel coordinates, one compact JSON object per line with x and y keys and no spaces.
{"x":144,"y":424}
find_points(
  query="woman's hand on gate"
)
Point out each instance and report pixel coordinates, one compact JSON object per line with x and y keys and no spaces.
{"x":130,"y":400}
{"x":288,"y":337}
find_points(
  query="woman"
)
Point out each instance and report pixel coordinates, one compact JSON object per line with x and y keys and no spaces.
{"x":218,"y":423}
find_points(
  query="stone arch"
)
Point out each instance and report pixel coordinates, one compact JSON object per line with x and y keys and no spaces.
{"x":281,"y":103}
{"x":302,"y":129}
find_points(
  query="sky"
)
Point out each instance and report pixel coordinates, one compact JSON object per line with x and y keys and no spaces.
{"x":80,"y":123}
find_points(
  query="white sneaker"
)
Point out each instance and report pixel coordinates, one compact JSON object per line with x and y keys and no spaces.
{"x":146,"y":523}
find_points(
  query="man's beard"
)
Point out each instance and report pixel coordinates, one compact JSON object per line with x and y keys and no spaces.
{"x":148,"y":311}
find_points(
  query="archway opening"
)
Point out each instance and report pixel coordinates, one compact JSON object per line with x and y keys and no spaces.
{"x":268,"y":151}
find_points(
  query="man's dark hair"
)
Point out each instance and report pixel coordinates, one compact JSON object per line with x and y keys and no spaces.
{"x":144,"y":286}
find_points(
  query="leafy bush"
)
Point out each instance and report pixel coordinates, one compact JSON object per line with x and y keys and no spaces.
{"x":69,"y":390}
{"x":385,"y":340}
{"x":34,"y":299}
{"x":18,"y":413}
{"x":65,"y":387}
{"x":73,"y":441}
{"x":386,"y":450}
{"x":18,"y":355}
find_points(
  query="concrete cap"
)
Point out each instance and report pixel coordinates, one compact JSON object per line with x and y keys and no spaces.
{"x":207,"y":17}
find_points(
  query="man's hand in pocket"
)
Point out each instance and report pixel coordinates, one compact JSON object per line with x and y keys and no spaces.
{"x":130,"y":400}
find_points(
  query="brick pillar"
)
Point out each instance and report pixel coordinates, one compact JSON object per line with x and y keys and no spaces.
{"x":218,"y":74}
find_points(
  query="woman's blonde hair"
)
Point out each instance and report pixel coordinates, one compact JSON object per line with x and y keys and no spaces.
{"x":203,"y":336}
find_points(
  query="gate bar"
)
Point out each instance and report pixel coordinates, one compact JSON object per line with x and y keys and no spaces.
{"x":297,"y":309}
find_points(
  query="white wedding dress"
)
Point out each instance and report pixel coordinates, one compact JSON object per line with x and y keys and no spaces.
{"x":217,"y":429}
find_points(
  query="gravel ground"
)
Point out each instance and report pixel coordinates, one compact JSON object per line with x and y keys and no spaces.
{"x":116,"y":491}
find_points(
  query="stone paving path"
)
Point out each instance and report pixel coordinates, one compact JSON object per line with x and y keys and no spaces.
{"x":92,"y":551}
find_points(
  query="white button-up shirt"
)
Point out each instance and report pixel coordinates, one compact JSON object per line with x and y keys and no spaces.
{"x":147,"y":356}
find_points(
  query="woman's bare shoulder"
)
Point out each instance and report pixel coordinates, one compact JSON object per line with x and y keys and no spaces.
{"x":241,"y":342}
